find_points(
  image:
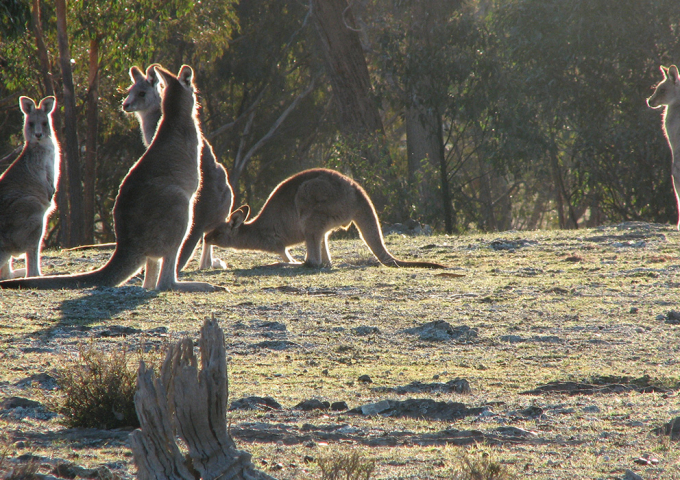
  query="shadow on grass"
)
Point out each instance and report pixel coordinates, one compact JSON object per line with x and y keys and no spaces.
{"x":94,"y":306}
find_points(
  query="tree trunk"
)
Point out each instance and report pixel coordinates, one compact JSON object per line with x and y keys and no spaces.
{"x":91,"y":143}
{"x":449,"y":220}
{"x":346,"y":67}
{"x":42,"y":49}
{"x":421,"y":144}
{"x":195,"y":403}
{"x":71,"y":162}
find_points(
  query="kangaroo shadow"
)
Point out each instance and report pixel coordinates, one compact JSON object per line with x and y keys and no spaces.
{"x":96,"y":305}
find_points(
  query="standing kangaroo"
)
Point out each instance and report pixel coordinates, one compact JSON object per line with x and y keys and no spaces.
{"x":153,"y":209}
{"x":307,"y":208}
{"x":667,"y":94}
{"x":27,"y":188}
{"x":214,"y":198}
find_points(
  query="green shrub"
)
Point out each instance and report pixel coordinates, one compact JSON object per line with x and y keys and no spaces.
{"x":99,"y":390}
{"x":351,"y":466}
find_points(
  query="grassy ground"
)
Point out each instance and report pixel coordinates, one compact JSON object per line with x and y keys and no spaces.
{"x":582,"y":306}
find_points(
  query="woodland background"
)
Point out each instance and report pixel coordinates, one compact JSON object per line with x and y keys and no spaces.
{"x":463,"y":114}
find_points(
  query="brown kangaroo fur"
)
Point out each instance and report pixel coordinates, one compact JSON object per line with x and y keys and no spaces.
{"x":667,"y":95}
{"x":152,"y":212}
{"x":214,"y":198}
{"x":307,"y":208}
{"x":27,"y":188}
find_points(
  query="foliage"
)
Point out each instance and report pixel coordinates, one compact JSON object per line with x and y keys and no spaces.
{"x":99,"y":390}
{"x":538,"y":106}
{"x":346,"y":466}
{"x":481,"y":466}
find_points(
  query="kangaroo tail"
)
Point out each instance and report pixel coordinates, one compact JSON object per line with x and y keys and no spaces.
{"x":189,"y":246}
{"x":366,"y":220}
{"x":122,"y":265}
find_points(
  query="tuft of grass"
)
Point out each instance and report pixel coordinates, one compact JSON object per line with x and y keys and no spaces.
{"x":350,"y":466}
{"x":481,"y":467}
{"x":99,"y":390}
{"x":24,"y":471}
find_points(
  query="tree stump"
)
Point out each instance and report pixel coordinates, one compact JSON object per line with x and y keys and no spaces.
{"x":193,"y":404}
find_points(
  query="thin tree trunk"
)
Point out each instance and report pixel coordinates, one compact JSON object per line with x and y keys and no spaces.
{"x":42,"y":49}
{"x":91,"y":142}
{"x":449,"y":219}
{"x":72,"y":155}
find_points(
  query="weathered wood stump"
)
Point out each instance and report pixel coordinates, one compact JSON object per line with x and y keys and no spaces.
{"x":193,"y":404}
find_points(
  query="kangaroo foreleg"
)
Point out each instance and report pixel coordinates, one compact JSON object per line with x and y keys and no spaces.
{"x":676,"y":186}
{"x":33,"y":262}
{"x":151,"y":272}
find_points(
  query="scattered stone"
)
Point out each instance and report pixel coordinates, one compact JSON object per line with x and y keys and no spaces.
{"x":43,"y":381}
{"x":116,"y":331}
{"x":512,"y":338}
{"x":442,"y":331}
{"x":363,"y":330}
{"x":255,"y":403}
{"x":457,"y":385}
{"x":672,"y":317}
{"x":514,"y":432}
{"x":418,"y":408}
{"x":312,"y":404}
{"x":276,"y":344}
{"x":634,"y":310}
{"x":631,"y":475}
{"x":19,"y":402}
{"x":671,"y":428}
{"x":531,"y":412}
{"x":640,"y":385}
{"x":339,"y":406}
{"x":591,"y":409}
{"x":276,"y":326}
{"x":365,"y":379}
{"x":504,"y":244}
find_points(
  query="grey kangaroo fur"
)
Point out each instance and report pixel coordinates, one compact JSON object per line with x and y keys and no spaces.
{"x":214,"y":199}
{"x":27,"y":189}
{"x":667,"y":95}
{"x":153,"y":209}
{"x":307,"y":208}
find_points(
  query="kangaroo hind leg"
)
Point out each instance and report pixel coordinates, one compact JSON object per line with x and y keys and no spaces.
{"x":168,"y":279}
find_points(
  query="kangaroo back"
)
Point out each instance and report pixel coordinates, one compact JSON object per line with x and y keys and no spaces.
{"x":366,"y":220}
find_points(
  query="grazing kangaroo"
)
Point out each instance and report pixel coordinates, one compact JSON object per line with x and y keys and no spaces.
{"x":27,"y":188}
{"x":308,"y":207}
{"x":214,"y":198}
{"x":667,"y":94}
{"x":152,"y":212}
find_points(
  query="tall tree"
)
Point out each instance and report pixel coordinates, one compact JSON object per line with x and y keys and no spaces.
{"x":72,"y":222}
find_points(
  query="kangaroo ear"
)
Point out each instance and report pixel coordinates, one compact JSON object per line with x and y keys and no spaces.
{"x":151,"y":76}
{"x":27,"y":105}
{"x":164,"y":76}
{"x":186,"y":76}
{"x":136,"y":74}
{"x":47,"y":104}
{"x":239,"y":216}
{"x":673,"y":72}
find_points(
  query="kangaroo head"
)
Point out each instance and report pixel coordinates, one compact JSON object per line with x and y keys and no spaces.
{"x":227,"y":232}
{"x":37,"y":119}
{"x":145,"y":92}
{"x":178,"y":90}
{"x":667,"y":92}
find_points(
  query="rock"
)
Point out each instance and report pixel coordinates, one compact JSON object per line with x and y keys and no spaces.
{"x":532,"y":411}
{"x":43,"y":380}
{"x":457,"y":385}
{"x":631,"y":475}
{"x":671,"y":428}
{"x":591,"y":409}
{"x":418,"y":408}
{"x":672,"y":318}
{"x":512,"y":339}
{"x":339,"y":406}
{"x":312,"y":404}
{"x":365,"y":379}
{"x":363,"y":330}
{"x":116,"y":331}
{"x":19,"y":402}
{"x":255,"y":403}
{"x":442,"y":331}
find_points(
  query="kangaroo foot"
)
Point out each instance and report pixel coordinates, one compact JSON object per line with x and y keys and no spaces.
{"x":217,"y":263}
